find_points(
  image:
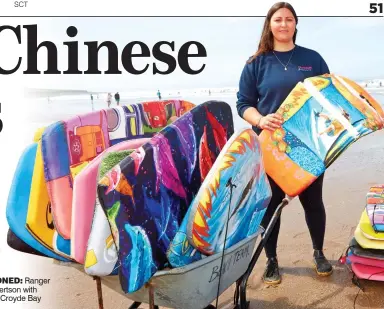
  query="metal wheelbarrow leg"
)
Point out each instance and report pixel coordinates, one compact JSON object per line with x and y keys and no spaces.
{"x":241,"y":284}
{"x":99,"y":292}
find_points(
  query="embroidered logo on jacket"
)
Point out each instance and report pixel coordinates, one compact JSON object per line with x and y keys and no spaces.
{"x":304,"y":68}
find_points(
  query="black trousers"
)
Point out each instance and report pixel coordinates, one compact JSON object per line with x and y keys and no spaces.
{"x":312,"y":201}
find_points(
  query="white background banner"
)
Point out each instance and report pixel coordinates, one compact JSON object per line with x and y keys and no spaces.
{"x":182,"y":8}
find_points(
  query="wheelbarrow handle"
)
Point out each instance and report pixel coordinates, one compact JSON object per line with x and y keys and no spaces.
{"x":242,"y":282}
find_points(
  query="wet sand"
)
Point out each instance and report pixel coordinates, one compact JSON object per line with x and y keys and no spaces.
{"x":346,"y":183}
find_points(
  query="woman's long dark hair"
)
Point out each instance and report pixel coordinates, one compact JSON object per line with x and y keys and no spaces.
{"x":266,"y":40}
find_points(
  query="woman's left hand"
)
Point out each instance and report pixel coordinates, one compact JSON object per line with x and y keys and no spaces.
{"x":271,"y":122}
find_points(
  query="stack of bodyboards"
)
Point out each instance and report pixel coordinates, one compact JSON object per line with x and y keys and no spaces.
{"x":132,"y":190}
{"x":366,"y":251}
{"x":136,"y":189}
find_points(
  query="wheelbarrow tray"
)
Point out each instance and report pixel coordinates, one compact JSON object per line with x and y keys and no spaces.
{"x":193,"y":286}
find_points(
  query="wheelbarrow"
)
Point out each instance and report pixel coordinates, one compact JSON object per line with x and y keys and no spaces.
{"x":197,"y":285}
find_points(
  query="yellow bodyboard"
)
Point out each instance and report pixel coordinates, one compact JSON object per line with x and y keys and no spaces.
{"x":366,"y":243}
{"x":367,"y":229}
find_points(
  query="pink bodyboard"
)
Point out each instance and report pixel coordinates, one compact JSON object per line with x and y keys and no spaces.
{"x":84,"y":198}
{"x":366,"y":261}
{"x":368,"y":272}
{"x":67,"y":147}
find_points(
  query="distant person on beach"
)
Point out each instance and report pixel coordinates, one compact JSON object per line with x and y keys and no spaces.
{"x":159,"y":94}
{"x":92,"y":101}
{"x":117,"y":98}
{"x":109,"y":99}
{"x":209,"y":91}
{"x":266,"y":80}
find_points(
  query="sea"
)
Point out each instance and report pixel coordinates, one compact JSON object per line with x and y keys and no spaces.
{"x":43,"y":111}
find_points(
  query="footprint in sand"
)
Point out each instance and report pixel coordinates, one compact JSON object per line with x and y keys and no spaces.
{"x":299,"y":234}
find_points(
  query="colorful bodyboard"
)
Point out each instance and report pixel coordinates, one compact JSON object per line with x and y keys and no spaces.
{"x":379,"y":189}
{"x":367,"y":243}
{"x":19,"y":237}
{"x":117,"y":123}
{"x":39,"y":221}
{"x":126,"y":123}
{"x":158,"y":114}
{"x":84,"y":198}
{"x":375,"y":209}
{"x":365,"y":261}
{"x":146,"y":202}
{"x":241,"y":162}
{"x":68,"y":146}
{"x":203,"y":227}
{"x":17,"y":244}
{"x":322,"y":117}
{"x":357,"y":250}
{"x":374,"y":198}
{"x":143,"y":119}
{"x":369,"y":231}
{"x":38,"y":134}
{"x":101,"y":256}
{"x":368,"y":272}
{"x":376,"y":217}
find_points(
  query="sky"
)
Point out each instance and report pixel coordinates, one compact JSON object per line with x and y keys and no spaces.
{"x":352,"y":47}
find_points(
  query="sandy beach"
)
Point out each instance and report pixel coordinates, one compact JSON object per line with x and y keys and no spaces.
{"x":345,"y":185}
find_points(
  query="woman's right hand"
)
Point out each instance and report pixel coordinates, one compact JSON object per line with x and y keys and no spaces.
{"x":271,"y":122}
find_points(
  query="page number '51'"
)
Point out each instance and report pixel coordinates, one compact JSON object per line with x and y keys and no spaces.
{"x":376,"y":8}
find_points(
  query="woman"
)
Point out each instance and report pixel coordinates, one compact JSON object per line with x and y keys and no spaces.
{"x":267,"y":79}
